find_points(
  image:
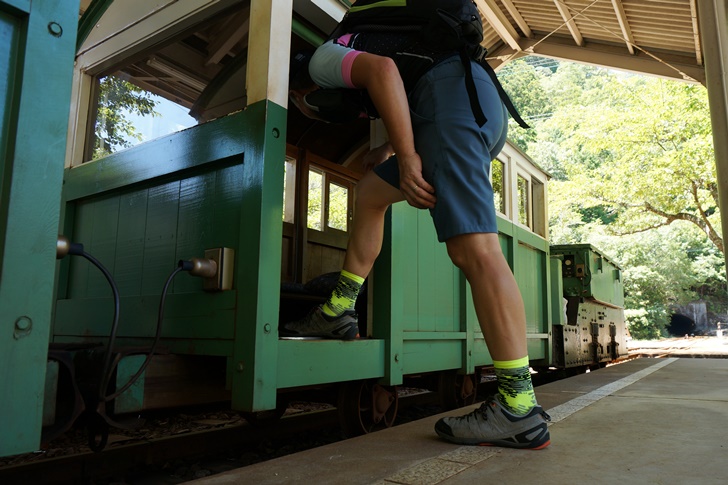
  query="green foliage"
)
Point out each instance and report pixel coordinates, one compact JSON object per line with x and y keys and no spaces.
{"x":113,"y":129}
{"x":338,"y":207}
{"x":633,"y":174}
{"x":315,"y":200}
{"x":523,"y":83}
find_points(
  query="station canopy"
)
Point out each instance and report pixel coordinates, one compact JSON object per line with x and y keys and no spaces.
{"x":660,"y":37}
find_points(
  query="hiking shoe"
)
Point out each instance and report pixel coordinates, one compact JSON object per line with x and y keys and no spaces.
{"x":318,"y":324}
{"x":493,"y":425}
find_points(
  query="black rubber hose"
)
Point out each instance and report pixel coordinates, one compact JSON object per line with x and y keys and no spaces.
{"x":78,"y":249}
{"x":157,"y":337}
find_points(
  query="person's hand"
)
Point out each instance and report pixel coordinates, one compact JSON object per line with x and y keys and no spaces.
{"x":377,"y":156}
{"x":417,"y":192}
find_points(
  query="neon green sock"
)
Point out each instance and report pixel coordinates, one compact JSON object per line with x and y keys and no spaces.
{"x":344,"y":295}
{"x":514,"y":385}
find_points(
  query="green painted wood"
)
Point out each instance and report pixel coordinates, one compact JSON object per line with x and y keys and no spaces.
{"x":429,"y":283}
{"x":167,"y":211}
{"x":132,"y":399}
{"x":10,"y":29}
{"x":161,"y":157}
{"x":407,"y":270}
{"x":102,"y":245}
{"x":195,"y":228}
{"x":259,"y":258}
{"x":140,"y":234}
{"x":129,"y":259}
{"x":312,"y":362}
{"x":160,"y":237}
{"x":434,"y":335}
{"x":222,"y":348}
{"x":538,"y":349}
{"x":391,"y":266}
{"x":531,"y":277}
{"x":40,"y":44}
{"x":16,"y":7}
{"x":432,"y":355}
{"x":191,"y":315}
{"x":558,"y":311}
{"x":431,"y":301}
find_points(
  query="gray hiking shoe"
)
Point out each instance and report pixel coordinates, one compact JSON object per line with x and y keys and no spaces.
{"x":318,"y":324}
{"x":492,"y":425}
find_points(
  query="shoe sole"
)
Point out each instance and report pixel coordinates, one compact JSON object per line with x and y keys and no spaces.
{"x":540,"y":444}
{"x":351,"y":334}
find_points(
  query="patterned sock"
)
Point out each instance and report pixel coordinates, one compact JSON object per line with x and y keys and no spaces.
{"x":514,"y":385}
{"x":344,"y":295}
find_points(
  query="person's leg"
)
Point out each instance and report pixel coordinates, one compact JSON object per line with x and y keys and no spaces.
{"x":512,"y":418}
{"x":372,"y":198}
{"x":336,"y":318}
{"x":501,"y":314}
{"x":497,"y":299}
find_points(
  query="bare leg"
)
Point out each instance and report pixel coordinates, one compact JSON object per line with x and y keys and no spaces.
{"x":373,"y":197}
{"x":497,"y":299}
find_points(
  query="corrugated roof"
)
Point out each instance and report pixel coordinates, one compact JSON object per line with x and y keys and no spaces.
{"x":658,"y":37}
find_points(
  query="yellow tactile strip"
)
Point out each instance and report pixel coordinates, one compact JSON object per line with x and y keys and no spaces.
{"x":436,"y":470}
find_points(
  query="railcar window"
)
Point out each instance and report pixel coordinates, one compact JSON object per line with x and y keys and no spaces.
{"x":524,"y":202}
{"x":538,"y":208}
{"x":338,"y":208}
{"x":315,"y":200}
{"x":127,"y":114}
{"x":289,"y":190}
{"x":497,"y":182}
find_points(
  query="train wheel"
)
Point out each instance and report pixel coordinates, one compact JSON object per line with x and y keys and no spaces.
{"x":365,"y":406}
{"x":458,"y":390}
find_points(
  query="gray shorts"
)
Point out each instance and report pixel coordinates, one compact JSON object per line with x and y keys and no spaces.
{"x":455,"y":152}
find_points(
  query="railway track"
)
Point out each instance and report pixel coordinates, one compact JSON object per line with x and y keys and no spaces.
{"x":200,"y":445}
{"x":186,"y":454}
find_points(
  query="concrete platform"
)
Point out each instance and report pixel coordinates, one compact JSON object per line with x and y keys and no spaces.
{"x":644,"y":421}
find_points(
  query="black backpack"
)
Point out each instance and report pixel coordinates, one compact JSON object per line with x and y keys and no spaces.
{"x":446,"y":25}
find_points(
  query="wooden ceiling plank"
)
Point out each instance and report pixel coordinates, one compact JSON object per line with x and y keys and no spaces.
{"x":497,"y":19}
{"x":236,"y":29}
{"x":570,"y":24}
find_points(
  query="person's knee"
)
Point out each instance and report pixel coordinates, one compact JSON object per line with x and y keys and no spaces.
{"x":368,"y":195}
{"x":474,"y":252}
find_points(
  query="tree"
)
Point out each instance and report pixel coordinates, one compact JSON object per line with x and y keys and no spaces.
{"x":113,"y":130}
{"x":523,"y":83}
{"x":633,"y":174}
{"x":643,"y":155}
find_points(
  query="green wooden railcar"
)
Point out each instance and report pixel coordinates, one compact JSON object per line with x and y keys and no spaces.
{"x":263,"y":184}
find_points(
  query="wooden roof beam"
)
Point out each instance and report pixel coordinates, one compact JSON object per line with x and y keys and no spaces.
{"x":624,"y":24}
{"x":497,"y":19}
{"x":570,"y":24}
{"x":233,"y":32}
{"x":696,"y":32}
{"x":518,"y":18}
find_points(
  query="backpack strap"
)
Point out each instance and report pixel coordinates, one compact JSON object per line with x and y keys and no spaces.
{"x":470,"y":87}
{"x":503,"y":95}
{"x":477,"y":53}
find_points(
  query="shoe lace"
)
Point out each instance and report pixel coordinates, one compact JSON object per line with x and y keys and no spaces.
{"x":483,"y":409}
